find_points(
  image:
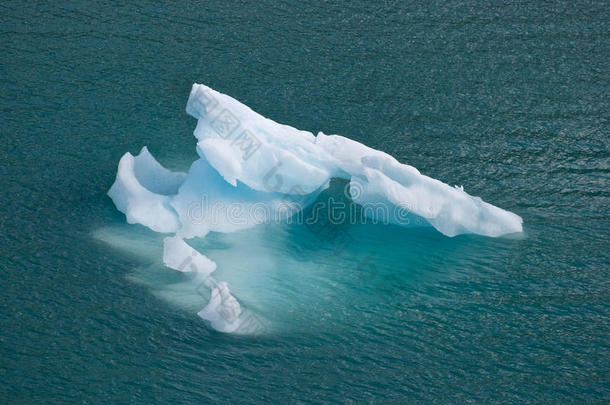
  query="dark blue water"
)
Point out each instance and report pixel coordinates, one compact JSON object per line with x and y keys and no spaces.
{"x":510,"y":101}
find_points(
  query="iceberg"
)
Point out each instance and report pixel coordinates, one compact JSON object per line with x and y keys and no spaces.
{"x":252,"y":170}
{"x":143,"y":190}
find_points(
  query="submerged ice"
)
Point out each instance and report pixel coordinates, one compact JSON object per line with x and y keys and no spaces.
{"x":252,"y":170}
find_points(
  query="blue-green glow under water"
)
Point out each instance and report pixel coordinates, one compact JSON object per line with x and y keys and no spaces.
{"x":510,"y":101}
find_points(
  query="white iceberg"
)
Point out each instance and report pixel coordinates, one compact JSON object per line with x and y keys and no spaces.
{"x":252,"y":169}
{"x":143,"y":190}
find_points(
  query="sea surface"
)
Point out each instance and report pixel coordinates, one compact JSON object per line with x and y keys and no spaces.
{"x":509,"y":100}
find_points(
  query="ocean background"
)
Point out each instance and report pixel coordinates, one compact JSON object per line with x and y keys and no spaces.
{"x":509,"y":100}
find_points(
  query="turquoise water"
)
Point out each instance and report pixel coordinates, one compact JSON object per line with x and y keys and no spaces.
{"x":510,"y":101}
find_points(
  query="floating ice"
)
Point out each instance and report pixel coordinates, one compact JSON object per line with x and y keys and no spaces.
{"x":252,"y":169}
{"x":179,"y":256}
{"x":143,"y":189}
{"x":223,"y":310}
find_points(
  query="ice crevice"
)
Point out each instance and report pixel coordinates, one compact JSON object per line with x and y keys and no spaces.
{"x":252,"y":169}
